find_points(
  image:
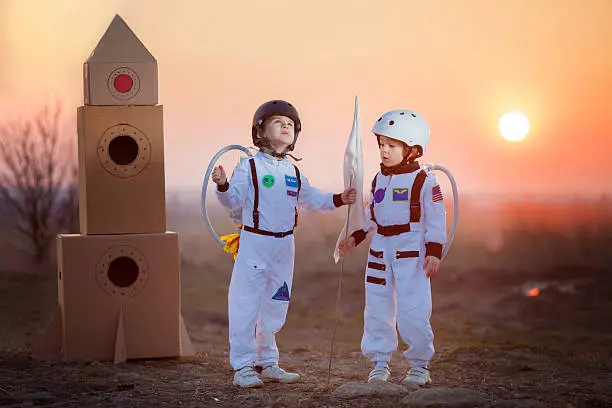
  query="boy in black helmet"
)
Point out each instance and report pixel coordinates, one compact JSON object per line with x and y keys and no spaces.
{"x":268,"y":188}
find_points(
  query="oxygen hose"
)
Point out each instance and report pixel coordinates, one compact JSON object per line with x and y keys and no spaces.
{"x":224,"y":150}
{"x":451,"y":234}
{"x":209,"y":170}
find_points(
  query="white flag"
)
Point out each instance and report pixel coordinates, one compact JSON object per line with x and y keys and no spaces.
{"x":353,"y":177}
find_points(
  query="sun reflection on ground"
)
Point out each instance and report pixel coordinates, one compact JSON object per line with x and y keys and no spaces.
{"x":533,"y":292}
{"x":533,"y":289}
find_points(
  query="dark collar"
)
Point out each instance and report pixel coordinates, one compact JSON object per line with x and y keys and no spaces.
{"x":400,"y":168}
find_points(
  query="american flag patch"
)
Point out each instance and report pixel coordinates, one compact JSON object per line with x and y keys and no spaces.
{"x":436,"y":194}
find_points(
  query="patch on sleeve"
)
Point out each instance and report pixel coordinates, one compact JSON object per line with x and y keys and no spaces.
{"x":436,"y":194}
{"x":282,"y":293}
{"x":400,"y":194}
{"x":291,"y":181}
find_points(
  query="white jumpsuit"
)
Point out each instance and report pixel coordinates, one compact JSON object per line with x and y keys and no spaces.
{"x":397,"y":288}
{"x":261,"y":282}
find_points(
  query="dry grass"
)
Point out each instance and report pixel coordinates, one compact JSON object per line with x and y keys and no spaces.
{"x":553,"y":347}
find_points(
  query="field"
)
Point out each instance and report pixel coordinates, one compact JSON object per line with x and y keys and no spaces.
{"x":521,"y":315}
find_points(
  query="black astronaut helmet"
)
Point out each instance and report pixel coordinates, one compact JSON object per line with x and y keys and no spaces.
{"x":270,"y":108}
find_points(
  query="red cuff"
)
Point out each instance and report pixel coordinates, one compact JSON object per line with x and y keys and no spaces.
{"x":433,"y":249}
{"x":223,"y":187}
{"x":338,"y":200}
{"x":359,"y":236}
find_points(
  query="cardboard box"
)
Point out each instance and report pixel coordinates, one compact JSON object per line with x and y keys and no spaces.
{"x":119,"y":298}
{"x":121,"y":170}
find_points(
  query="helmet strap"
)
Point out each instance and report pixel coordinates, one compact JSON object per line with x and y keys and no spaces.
{"x":268,"y":150}
{"x":271,"y":152}
{"x":293,"y":157}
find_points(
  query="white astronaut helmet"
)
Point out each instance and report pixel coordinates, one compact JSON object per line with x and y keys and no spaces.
{"x":405,"y":125}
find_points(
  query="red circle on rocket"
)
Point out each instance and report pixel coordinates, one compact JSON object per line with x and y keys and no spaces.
{"x":123,"y":83}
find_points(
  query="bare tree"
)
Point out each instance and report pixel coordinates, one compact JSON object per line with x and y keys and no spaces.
{"x":38,"y":183}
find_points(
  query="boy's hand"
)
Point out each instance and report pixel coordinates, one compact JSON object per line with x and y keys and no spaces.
{"x":346,"y":246}
{"x":349,"y":196}
{"x":218,"y":176}
{"x":432,"y":264}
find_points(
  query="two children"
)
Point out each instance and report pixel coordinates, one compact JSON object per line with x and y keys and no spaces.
{"x":408,"y":222}
{"x":269,"y":189}
{"x":406,"y":218}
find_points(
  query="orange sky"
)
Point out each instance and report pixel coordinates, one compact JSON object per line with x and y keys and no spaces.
{"x":459,"y":63}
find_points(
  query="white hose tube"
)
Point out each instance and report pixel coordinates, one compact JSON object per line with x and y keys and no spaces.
{"x":209,"y":170}
{"x":451,"y":234}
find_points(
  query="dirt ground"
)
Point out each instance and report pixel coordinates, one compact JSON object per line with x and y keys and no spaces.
{"x":491,"y":337}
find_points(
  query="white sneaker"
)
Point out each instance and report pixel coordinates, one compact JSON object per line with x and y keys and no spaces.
{"x":247,"y":377}
{"x":379,"y":374}
{"x":418,"y":376}
{"x":277,"y":374}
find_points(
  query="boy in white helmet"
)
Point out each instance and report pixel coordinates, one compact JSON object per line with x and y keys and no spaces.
{"x":408,"y":222}
{"x":268,"y":188}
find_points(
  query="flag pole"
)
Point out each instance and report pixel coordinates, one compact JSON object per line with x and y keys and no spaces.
{"x":331,"y":349}
{"x":352,"y":158}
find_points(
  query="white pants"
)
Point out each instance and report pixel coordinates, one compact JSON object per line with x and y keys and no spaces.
{"x":400,"y":294}
{"x":258,"y":298}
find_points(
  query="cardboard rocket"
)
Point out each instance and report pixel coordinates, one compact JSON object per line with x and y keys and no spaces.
{"x":120,"y":70}
{"x":119,"y":292}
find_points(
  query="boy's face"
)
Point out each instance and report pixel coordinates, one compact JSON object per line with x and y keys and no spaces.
{"x":280,"y":131}
{"x":391,"y":151}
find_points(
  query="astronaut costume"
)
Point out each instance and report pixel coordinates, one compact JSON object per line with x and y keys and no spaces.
{"x":268,"y":189}
{"x":407,"y":216}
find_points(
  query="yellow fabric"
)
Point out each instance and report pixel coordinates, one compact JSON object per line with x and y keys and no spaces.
{"x":232,"y":243}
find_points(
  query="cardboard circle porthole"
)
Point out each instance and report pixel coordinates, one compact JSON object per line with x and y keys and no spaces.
{"x":122,"y":271}
{"x":123,"y":83}
{"x":124,"y":151}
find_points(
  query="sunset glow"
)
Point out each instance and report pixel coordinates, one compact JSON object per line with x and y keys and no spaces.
{"x":514,"y":126}
{"x":218,"y":61}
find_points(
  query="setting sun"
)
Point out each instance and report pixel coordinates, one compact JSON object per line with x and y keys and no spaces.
{"x":513,"y":126}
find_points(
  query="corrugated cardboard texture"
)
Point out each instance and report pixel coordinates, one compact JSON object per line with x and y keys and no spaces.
{"x":104,"y":275}
{"x":121,"y":170}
